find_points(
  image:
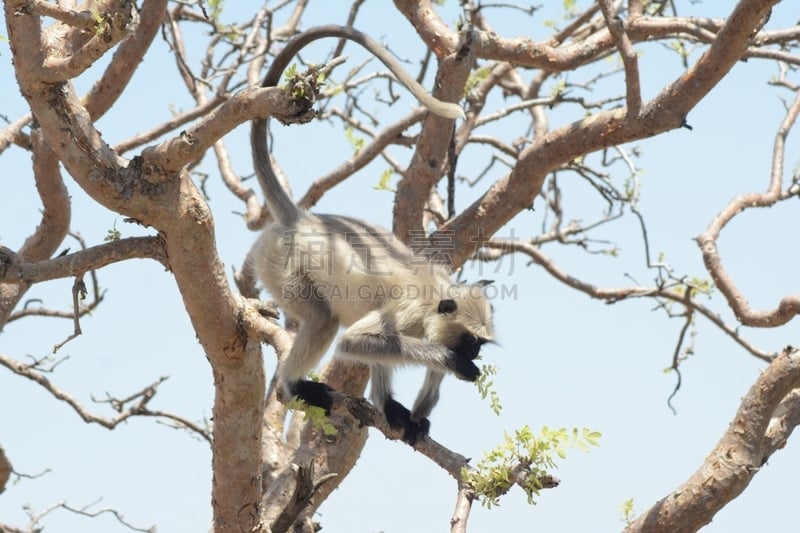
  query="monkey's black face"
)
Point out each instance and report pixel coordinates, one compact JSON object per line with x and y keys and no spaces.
{"x":468,"y":345}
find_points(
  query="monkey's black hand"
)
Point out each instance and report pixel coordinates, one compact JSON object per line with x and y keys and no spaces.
{"x":399,"y":417}
{"x":468,"y":346}
{"x":314,"y":393}
{"x":462,"y":367}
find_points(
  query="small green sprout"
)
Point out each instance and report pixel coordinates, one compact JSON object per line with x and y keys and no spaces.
{"x":383,"y":181}
{"x":315,"y":415}
{"x":113,"y":234}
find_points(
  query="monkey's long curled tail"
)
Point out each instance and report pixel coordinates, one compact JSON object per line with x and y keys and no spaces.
{"x":280,"y":205}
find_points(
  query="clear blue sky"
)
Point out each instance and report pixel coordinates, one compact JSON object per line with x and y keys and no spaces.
{"x":564,"y":360}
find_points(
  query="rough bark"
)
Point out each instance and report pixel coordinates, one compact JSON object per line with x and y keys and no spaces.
{"x":735,"y":460}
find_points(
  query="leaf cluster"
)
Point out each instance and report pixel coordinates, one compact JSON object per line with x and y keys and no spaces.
{"x":486,"y":387}
{"x":306,"y":85}
{"x":315,"y":415}
{"x":524,"y":457}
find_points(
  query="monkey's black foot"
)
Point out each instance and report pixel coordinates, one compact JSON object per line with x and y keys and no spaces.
{"x":314,"y":393}
{"x":420,"y":429}
{"x":399,"y":417}
{"x":463,"y":368}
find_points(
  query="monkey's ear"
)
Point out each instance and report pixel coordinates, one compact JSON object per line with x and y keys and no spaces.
{"x":447,"y":306}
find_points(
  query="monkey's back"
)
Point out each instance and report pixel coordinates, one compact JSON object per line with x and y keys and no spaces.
{"x":346,"y":264}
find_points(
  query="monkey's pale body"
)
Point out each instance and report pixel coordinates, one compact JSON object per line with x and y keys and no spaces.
{"x":328,"y":271}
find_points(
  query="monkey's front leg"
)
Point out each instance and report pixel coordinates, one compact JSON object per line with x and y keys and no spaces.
{"x":369,"y":340}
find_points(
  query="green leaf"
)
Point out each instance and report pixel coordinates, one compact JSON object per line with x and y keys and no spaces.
{"x":475,"y":78}
{"x":383,"y":181}
{"x":592,"y":437}
{"x":486,"y":388}
{"x":216,"y":8}
{"x":357,"y":143}
{"x":627,"y":511}
{"x":315,"y":415}
{"x":113,"y":234}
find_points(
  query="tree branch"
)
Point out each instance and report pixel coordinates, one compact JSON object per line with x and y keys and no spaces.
{"x":789,"y":306}
{"x":364,"y":156}
{"x":5,"y":470}
{"x":32,"y":372}
{"x":107,"y":89}
{"x":35,"y":524}
{"x":612,"y":295}
{"x":173,"y":154}
{"x":165,"y":198}
{"x":739,"y":455}
{"x":616,"y":26}
{"x":430,"y":155}
{"x":50,"y":232}
{"x":458,"y":523}
{"x":510,"y":195}
{"x":18,"y":271}
{"x":111,"y":21}
{"x":78,"y":19}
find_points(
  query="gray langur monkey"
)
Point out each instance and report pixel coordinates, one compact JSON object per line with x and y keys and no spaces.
{"x":330,"y":270}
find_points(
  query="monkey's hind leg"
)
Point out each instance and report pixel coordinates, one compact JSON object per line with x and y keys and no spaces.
{"x":428,"y":396}
{"x":316,"y":332}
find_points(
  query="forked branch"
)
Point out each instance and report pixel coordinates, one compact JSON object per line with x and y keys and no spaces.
{"x":789,"y":306}
{"x":139,"y":401}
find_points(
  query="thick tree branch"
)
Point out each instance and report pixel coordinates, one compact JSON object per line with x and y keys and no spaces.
{"x":74,"y":264}
{"x":785,"y":418}
{"x":111,"y":21}
{"x":175,"y":122}
{"x":77,"y":19}
{"x":304,"y":445}
{"x":508,"y":196}
{"x":306,"y":486}
{"x":173,"y":154}
{"x":168,"y":200}
{"x":51,"y":230}
{"x":436,"y":35}
{"x":430,"y":156}
{"x":739,"y":455}
{"x":107,"y":89}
